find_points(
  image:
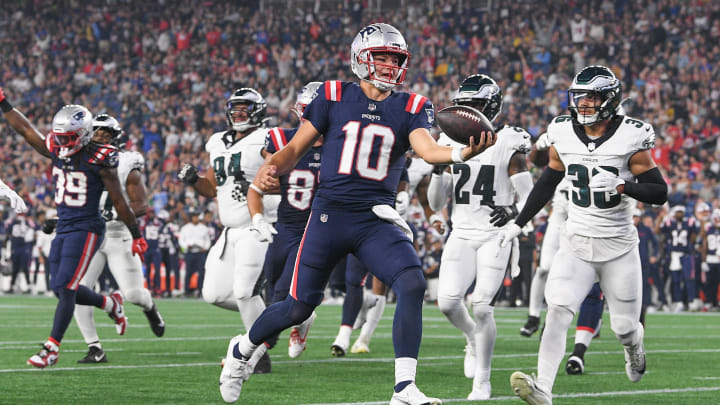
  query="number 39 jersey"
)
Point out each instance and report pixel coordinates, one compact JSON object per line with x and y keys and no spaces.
{"x":363,"y":152}
{"x":483,"y":181}
{"x":235,"y":163}
{"x":298,"y":187}
{"x":599,"y":214}
{"x":78,"y":187}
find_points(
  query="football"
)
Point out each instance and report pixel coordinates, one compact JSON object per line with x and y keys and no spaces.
{"x":460,"y":122}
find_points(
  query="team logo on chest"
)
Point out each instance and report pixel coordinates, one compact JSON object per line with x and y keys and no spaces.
{"x":591,"y":146}
{"x":372,"y":107}
{"x":323,"y":217}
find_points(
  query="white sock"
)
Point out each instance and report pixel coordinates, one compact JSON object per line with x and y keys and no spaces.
{"x":374,"y":315}
{"x":259,"y":352}
{"x":246,"y":347}
{"x":250,"y":310}
{"x":95,"y":344}
{"x":583,"y":336}
{"x":537,"y":292}
{"x":405,"y":369}
{"x":343,"y":336}
{"x":86,"y":322}
{"x":552,"y":346}
{"x":304,"y":327}
{"x":485,"y":334}
{"x":456,"y":312}
{"x":369,"y":301}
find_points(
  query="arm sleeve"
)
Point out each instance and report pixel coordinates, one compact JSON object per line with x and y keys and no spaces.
{"x":650,"y":188}
{"x":425,"y":118}
{"x":522,"y":183}
{"x":438,"y":190}
{"x":540,"y":195}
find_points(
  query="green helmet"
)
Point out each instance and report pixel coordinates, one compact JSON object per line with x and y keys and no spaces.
{"x":482,"y":93}
{"x":596,"y":81}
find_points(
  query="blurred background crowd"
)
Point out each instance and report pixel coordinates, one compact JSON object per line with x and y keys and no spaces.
{"x":164,"y":69}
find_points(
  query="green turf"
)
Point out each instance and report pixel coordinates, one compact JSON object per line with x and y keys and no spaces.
{"x":183,"y":367}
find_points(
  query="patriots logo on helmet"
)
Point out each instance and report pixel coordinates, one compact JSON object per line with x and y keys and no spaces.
{"x":79,"y":115}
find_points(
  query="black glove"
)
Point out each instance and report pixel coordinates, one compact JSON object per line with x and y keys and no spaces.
{"x":49,"y":225}
{"x":107,"y":215}
{"x":501,"y":215}
{"x":188,"y":174}
{"x":439,"y":169}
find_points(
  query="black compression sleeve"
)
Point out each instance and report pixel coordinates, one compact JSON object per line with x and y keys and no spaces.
{"x":541,"y":193}
{"x":650,"y":188}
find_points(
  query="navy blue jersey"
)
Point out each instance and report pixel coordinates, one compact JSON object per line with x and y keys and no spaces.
{"x":78,"y":187}
{"x":677,"y":234}
{"x":363,"y":152}
{"x":298,"y":187}
{"x":712,"y":233}
{"x":151,"y":233}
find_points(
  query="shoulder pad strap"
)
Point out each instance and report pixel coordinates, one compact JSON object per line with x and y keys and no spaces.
{"x":333,"y":90}
{"x":278,"y":138}
{"x":415,"y":103}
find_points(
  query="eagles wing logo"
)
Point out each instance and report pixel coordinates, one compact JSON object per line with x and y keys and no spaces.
{"x":649,"y":143}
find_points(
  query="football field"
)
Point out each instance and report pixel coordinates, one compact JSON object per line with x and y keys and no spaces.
{"x":683,"y":355}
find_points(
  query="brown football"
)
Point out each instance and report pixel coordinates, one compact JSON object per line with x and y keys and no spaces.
{"x":460,"y":122}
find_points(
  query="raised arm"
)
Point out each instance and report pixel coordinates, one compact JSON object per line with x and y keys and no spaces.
{"x":22,"y":126}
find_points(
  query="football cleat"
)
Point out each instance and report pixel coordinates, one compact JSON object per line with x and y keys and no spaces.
{"x":94,"y":355}
{"x":635,"y":360}
{"x":531,"y":326}
{"x":480,"y":392}
{"x":298,"y":337}
{"x":263,"y":366}
{"x":411,"y":395}
{"x":469,"y":364}
{"x":118,"y":313}
{"x":234,"y":373}
{"x":525,"y":387}
{"x":157,"y":323}
{"x":575,"y":365}
{"x":45,"y":357}
{"x":360,"y":346}
{"x":339,"y":346}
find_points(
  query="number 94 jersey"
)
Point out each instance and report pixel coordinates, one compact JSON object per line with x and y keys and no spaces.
{"x":235,"y":163}
{"x":599,"y":214}
{"x":483,"y":181}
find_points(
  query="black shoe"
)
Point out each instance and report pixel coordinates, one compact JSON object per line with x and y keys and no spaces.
{"x":531,"y":326}
{"x":94,"y":355}
{"x":575,"y":365}
{"x":157,"y":324}
{"x":263,"y":365}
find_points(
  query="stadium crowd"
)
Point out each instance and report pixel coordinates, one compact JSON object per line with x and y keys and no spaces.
{"x":166,"y":68}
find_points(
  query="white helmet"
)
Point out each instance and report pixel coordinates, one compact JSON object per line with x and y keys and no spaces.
{"x":72,"y":129}
{"x":305,"y":97}
{"x":257,"y":109}
{"x":378,"y":38}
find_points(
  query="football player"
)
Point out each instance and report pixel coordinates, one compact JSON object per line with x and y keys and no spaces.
{"x":297,"y":189}
{"x":607,"y":158}
{"x":81,"y":170}
{"x":711,"y":260}
{"x":483,"y":193}
{"x":680,"y":233}
{"x":116,"y":250}
{"x":367,"y":129}
{"x":234,"y":263}
{"x":588,"y":327}
{"x":16,"y":203}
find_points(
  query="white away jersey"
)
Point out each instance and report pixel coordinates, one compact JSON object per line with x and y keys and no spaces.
{"x":418,"y":169}
{"x":127,"y":162}
{"x":235,"y":164}
{"x":484,"y":180}
{"x":595,"y":214}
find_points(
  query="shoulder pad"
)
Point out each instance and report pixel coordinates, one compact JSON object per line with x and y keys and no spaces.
{"x":102,"y":155}
{"x":333,"y":90}
{"x":415,"y":103}
{"x":278,"y":138}
{"x":643,"y":132}
{"x":135,"y":159}
{"x":561,"y":118}
{"x":214,"y":141}
{"x":518,"y":139}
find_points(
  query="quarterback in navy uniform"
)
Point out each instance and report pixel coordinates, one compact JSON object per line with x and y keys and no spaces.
{"x":367,"y":129}
{"x":81,"y":170}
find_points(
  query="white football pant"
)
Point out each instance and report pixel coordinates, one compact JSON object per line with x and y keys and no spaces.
{"x":116,"y":251}
{"x":233,"y":266}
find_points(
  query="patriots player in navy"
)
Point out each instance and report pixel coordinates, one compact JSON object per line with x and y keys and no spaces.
{"x":711,"y":260}
{"x":151,"y":232}
{"x":297,"y":190}
{"x":680,"y":233}
{"x":367,"y":129}
{"x":81,"y":170}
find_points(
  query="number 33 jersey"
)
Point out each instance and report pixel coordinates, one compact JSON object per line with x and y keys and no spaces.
{"x":363,"y":152}
{"x":483,"y":181}
{"x":235,"y":163}
{"x":599,"y":214}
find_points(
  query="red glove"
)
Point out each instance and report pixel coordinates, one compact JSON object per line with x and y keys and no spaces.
{"x":139,"y":247}
{"x":2,"y":96}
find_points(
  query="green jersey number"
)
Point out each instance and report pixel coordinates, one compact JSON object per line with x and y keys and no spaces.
{"x":581,"y":195}
{"x":233,"y":170}
{"x":483,"y":184}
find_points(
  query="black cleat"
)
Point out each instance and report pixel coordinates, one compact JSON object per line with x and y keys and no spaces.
{"x":575,"y":365}
{"x":337,"y":351}
{"x":531,"y":326}
{"x":263,"y":365}
{"x":94,"y":355}
{"x":157,"y":324}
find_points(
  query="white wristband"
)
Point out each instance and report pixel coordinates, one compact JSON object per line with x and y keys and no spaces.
{"x":457,"y":155}
{"x":256,"y":188}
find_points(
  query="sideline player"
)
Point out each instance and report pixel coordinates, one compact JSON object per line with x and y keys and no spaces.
{"x":367,"y":129}
{"x":234,"y":263}
{"x":116,"y":249}
{"x":81,"y":169}
{"x":297,"y":189}
{"x":483,"y":195}
{"x":602,"y":153}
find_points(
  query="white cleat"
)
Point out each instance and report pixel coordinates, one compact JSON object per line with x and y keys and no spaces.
{"x":469,"y":364}
{"x":339,"y":346}
{"x":696,"y":305}
{"x":360,"y":346}
{"x":635,"y":360}
{"x":411,"y":395}
{"x":234,"y":373}
{"x":524,"y":386}
{"x":298,"y":337}
{"x":480,"y":392}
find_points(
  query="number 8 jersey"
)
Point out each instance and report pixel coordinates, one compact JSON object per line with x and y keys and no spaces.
{"x":596,"y":214}
{"x":235,"y":163}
